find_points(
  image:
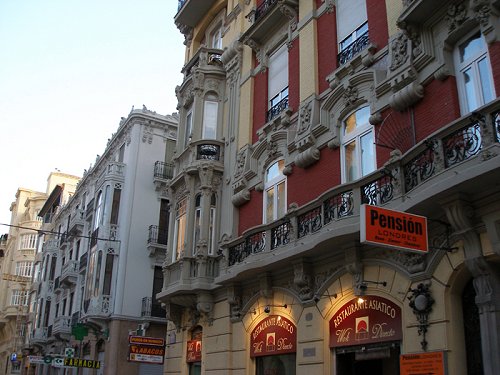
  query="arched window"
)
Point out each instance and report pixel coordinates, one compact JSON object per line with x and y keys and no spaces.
{"x":473,"y":70}
{"x":211,"y":107}
{"x":274,"y":192}
{"x":358,"y":150}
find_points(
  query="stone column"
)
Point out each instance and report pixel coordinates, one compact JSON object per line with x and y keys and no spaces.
{"x":486,"y":280}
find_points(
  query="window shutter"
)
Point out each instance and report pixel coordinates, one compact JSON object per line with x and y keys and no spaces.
{"x":278,"y":71}
{"x":350,"y":15}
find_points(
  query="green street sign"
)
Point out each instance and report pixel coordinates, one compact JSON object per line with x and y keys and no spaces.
{"x":79,"y":331}
{"x":47,"y":359}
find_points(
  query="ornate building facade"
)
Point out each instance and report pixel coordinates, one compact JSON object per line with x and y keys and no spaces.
{"x":17,"y":251}
{"x":297,"y":116}
{"x":100,"y":265}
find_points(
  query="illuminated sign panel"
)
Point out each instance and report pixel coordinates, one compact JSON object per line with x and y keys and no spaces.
{"x":273,"y":335}
{"x":374,"y":320}
{"x":193,"y":353}
{"x":393,"y":229}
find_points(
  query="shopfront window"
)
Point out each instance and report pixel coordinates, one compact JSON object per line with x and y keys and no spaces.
{"x":276,"y":365}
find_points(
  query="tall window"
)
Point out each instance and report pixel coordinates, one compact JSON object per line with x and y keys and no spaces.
{"x":216,"y":38}
{"x":98,"y":211}
{"x":24,"y":269}
{"x":358,"y":151}
{"x":197,"y":222}
{"x":278,"y":82}
{"x":189,"y":128}
{"x":274,"y":192}
{"x":352,"y":28}
{"x":19,"y":297}
{"x":211,"y":229}
{"x":28,"y":241}
{"x":473,"y":70}
{"x":211,"y":106}
{"x":180,"y":230}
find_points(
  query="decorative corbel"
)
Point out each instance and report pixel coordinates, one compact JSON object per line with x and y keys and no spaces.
{"x":174,"y":314}
{"x":205,"y":306}
{"x":303,"y":280}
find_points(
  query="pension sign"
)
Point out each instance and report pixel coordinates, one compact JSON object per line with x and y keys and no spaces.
{"x":394,"y":229}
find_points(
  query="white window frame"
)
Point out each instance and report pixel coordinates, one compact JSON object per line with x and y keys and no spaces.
{"x":210,"y":117}
{"x":473,"y":64}
{"x":179,"y":243}
{"x":28,"y":241}
{"x":24,"y":268}
{"x":19,"y":297}
{"x":272,"y":183}
{"x":189,"y":128}
{"x":360,"y":131}
{"x":278,"y":76}
{"x":352,"y":37}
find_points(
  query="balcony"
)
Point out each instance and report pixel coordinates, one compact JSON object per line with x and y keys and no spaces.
{"x":76,"y":223}
{"x":157,"y":240}
{"x":188,"y":275}
{"x":267,"y":16}
{"x":457,"y":158}
{"x":151,"y":309}
{"x":51,"y":246}
{"x":191,"y":12}
{"x":40,"y":336}
{"x":116,"y":171}
{"x":207,"y":59}
{"x":62,"y":326}
{"x":69,"y":273}
{"x":353,"y":49}
{"x":163,"y":172}
{"x":276,"y":109}
{"x":418,"y":11}
{"x":98,"y":307}
{"x":208,"y":151}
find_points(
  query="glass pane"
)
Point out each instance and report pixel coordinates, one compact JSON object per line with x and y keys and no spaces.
{"x":283,"y":364}
{"x":197,"y":228}
{"x":471,"y":48}
{"x":350,"y":124}
{"x":210,"y":120}
{"x":367,"y":156}
{"x":281,"y":200}
{"x":350,"y":161}
{"x":275,"y":170}
{"x":362,"y":116}
{"x":270,"y":205}
{"x":470,"y":91}
{"x":362,"y":29}
{"x":485,"y":77}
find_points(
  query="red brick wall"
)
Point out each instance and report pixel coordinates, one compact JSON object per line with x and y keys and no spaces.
{"x":439,"y":106}
{"x":259,"y":103}
{"x":293,"y":75}
{"x":327,"y":47}
{"x":494,"y":51}
{"x":250,"y":214}
{"x":378,"y":30}
{"x":304,"y":185}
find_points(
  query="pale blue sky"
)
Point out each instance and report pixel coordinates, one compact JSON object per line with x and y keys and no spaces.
{"x":69,"y":69}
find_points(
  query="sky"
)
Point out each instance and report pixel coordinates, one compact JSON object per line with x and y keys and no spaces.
{"x":69,"y":70}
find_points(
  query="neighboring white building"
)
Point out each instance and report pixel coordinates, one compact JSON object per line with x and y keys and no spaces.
{"x":100,"y":265}
{"x":17,"y":259}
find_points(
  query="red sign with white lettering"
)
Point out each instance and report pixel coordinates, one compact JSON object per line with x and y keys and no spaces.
{"x":193,"y":351}
{"x":273,"y":335}
{"x":376,"y":319}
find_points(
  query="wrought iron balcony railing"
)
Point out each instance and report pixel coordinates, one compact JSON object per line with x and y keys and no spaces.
{"x":277,"y":109}
{"x":264,"y":7}
{"x":208,"y":152}
{"x":163,"y":170}
{"x":157,"y":235}
{"x":460,"y":141}
{"x":151,"y":308}
{"x":354,"y":48}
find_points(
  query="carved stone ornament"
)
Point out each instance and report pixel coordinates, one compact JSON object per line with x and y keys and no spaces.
{"x":407,"y":96}
{"x":303,"y":280}
{"x":455,"y":16}
{"x":205,"y":305}
{"x":305,"y":117}
{"x":289,"y":13}
{"x":307,"y":158}
{"x":350,"y":95}
{"x":147,"y":135}
{"x":272,"y":149}
{"x":241,"y":198}
{"x":174,"y":314}
{"x":240,"y":163}
{"x":399,"y":50}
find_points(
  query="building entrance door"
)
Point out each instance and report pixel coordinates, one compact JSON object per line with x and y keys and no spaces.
{"x":373,"y":360}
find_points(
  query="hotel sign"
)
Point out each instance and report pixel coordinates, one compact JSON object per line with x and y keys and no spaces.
{"x":273,"y":335}
{"x":376,"y":319}
{"x":394,"y":229}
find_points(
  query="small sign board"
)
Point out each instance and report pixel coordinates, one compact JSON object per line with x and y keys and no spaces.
{"x":422,"y":363}
{"x":145,"y":358}
{"x":272,"y":336}
{"x":144,"y":340}
{"x":36,"y":359}
{"x":394,"y":229}
{"x":79,"y":362}
{"x":193,"y":352}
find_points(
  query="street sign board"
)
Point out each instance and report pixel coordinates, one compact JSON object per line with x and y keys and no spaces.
{"x":79,"y":362}
{"x":394,"y":229}
{"x":422,"y":363}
